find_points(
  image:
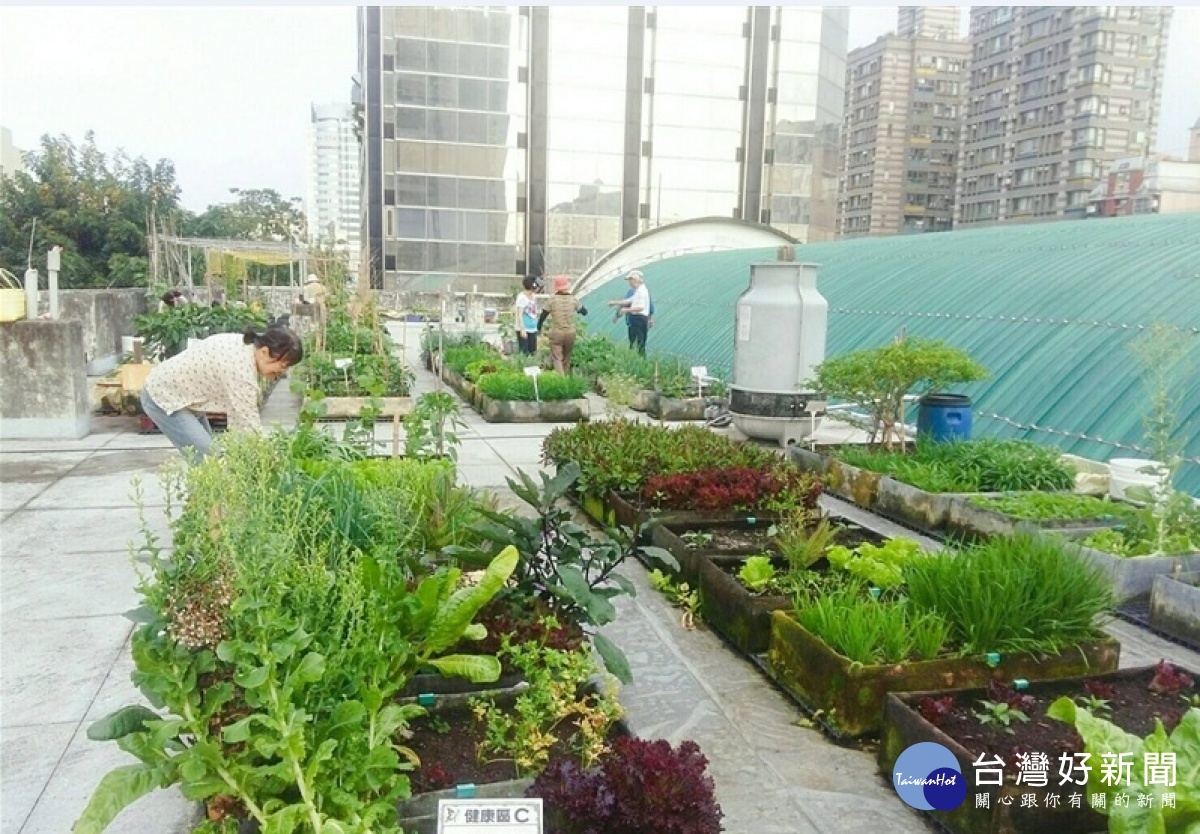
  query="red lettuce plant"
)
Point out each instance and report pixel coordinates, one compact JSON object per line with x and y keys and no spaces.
{"x":641,"y":787}
{"x":1168,"y":680}
{"x":733,"y":488}
{"x":935,"y":710}
{"x":1002,"y":693}
{"x":1100,"y":689}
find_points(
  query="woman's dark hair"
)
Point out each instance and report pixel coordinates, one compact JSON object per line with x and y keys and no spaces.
{"x":530,"y":283}
{"x":281,"y":342}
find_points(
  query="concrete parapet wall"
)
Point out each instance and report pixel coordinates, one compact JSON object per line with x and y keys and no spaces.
{"x":106,"y":315}
{"x":43,"y":380}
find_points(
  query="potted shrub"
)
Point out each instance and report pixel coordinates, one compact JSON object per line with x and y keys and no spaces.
{"x":878,"y":379}
{"x":1015,"y":607}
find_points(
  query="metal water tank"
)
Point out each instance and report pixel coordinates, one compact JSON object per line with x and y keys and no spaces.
{"x":779,"y":339}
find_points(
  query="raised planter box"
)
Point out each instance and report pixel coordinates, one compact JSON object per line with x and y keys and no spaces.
{"x":662,"y":407}
{"x":518,"y":411}
{"x":968,"y":519}
{"x":852,"y":695}
{"x":626,"y":513}
{"x":465,"y":388}
{"x":1175,"y":605}
{"x":903,"y":726}
{"x":1132,"y":577}
{"x":642,"y":399}
{"x":596,"y":507}
{"x":348,"y":408}
{"x":728,"y":606}
{"x":670,"y":539}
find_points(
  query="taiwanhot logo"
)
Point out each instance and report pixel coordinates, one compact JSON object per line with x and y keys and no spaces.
{"x":927,"y":777}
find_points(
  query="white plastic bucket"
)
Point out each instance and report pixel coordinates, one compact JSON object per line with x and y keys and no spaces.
{"x":1127,"y":472}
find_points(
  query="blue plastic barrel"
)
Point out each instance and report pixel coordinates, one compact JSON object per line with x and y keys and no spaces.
{"x":942,"y":417}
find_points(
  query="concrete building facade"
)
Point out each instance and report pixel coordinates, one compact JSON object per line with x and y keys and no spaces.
{"x":332,"y":203}
{"x":1054,"y":94}
{"x":1146,"y":186}
{"x":505,"y":141}
{"x":900,"y":134}
{"x":10,"y":156}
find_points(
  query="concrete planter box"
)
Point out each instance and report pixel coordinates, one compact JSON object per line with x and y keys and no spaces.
{"x":662,"y":407}
{"x":642,"y":400}
{"x":464,"y":387}
{"x":518,"y":411}
{"x":741,"y":617}
{"x":852,"y":695}
{"x":626,"y":514}
{"x":596,"y":507}
{"x":345,"y":408}
{"x":903,"y":726}
{"x":1175,"y":605}
{"x":690,"y":558}
{"x":968,"y":519}
{"x":1131,"y":576}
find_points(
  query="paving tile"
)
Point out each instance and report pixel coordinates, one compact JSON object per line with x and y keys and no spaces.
{"x":485,"y":476}
{"x":15,"y":494}
{"x":838,"y":813}
{"x":763,"y":812}
{"x":101,"y":491}
{"x":59,"y":669}
{"x":83,"y":530}
{"x":43,"y":467}
{"x":55,"y":585}
{"x":1140,"y":647}
{"x":28,"y":756}
{"x":524,"y":452}
{"x":89,"y":443}
{"x":76,"y":777}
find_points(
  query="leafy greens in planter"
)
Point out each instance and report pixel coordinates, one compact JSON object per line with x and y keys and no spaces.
{"x":275,"y":651}
{"x":641,"y":787}
{"x":561,"y":562}
{"x":1103,"y":739}
{"x":620,"y":454}
{"x":737,"y":488}
{"x":984,"y":465}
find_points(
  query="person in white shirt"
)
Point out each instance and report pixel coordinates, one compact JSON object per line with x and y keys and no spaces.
{"x":217,"y":374}
{"x":637,"y":310}
{"x":525,"y":317}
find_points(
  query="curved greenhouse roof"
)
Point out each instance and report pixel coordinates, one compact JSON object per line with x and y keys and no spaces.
{"x":1049,"y":309}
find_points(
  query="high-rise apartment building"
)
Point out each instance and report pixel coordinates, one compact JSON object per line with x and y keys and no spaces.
{"x":332,"y":205}
{"x":900,"y":135}
{"x":503,"y":141}
{"x":1055,"y":94}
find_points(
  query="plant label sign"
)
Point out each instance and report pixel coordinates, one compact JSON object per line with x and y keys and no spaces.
{"x":489,"y":816}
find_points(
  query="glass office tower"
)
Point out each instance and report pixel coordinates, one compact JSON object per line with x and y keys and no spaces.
{"x":500,"y":142}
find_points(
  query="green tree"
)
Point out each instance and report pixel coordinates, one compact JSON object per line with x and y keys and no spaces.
{"x":95,"y":206}
{"x":255,"y":214}
{"x":879,"y":378}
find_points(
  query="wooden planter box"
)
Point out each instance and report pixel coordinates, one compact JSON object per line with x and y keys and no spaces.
{"x":1132,"y":577}
{"x":520,"y":411}
{"x":1175,"y":605}
{"x":596,"y":507}
{"x":348,"y":408}
{"x":852,"y":696}
{"x":729,"y":607}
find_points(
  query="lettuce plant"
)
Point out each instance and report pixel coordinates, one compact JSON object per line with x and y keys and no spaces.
{"x":1102,"y":738}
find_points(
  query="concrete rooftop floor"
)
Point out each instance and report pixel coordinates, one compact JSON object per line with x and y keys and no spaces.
{"x":67,"y":574}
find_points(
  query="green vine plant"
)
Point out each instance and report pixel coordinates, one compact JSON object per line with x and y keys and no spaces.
{"x":1159,"y":353}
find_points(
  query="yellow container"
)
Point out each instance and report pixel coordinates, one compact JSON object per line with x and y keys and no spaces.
{"x":12,"y":304}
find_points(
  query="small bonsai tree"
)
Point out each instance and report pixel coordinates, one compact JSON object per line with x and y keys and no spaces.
{"x":879,"y":378}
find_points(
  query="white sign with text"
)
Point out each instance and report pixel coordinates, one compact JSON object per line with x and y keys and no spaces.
{"x":489,"y":816}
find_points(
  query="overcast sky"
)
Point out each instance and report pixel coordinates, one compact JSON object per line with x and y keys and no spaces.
{"x":224,"y":92}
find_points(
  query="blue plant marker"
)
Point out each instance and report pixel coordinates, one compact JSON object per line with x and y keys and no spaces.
{"x":466,"y":791}
{"x":875,"y":592}
{"x":426,"y":699}
{"x":993,"y":658}
{"x":751,"y":519}
{"x":1020,"y":684}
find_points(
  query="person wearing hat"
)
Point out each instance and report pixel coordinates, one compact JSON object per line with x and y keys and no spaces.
{"x":637,"y":308}
{"x":314,"y":296}
{"x":561,"y":310}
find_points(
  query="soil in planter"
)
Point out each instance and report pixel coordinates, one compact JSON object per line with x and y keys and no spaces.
{"x":521,"y":619}
{"x":447,"y":743}
{"x":1132,"y":707}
